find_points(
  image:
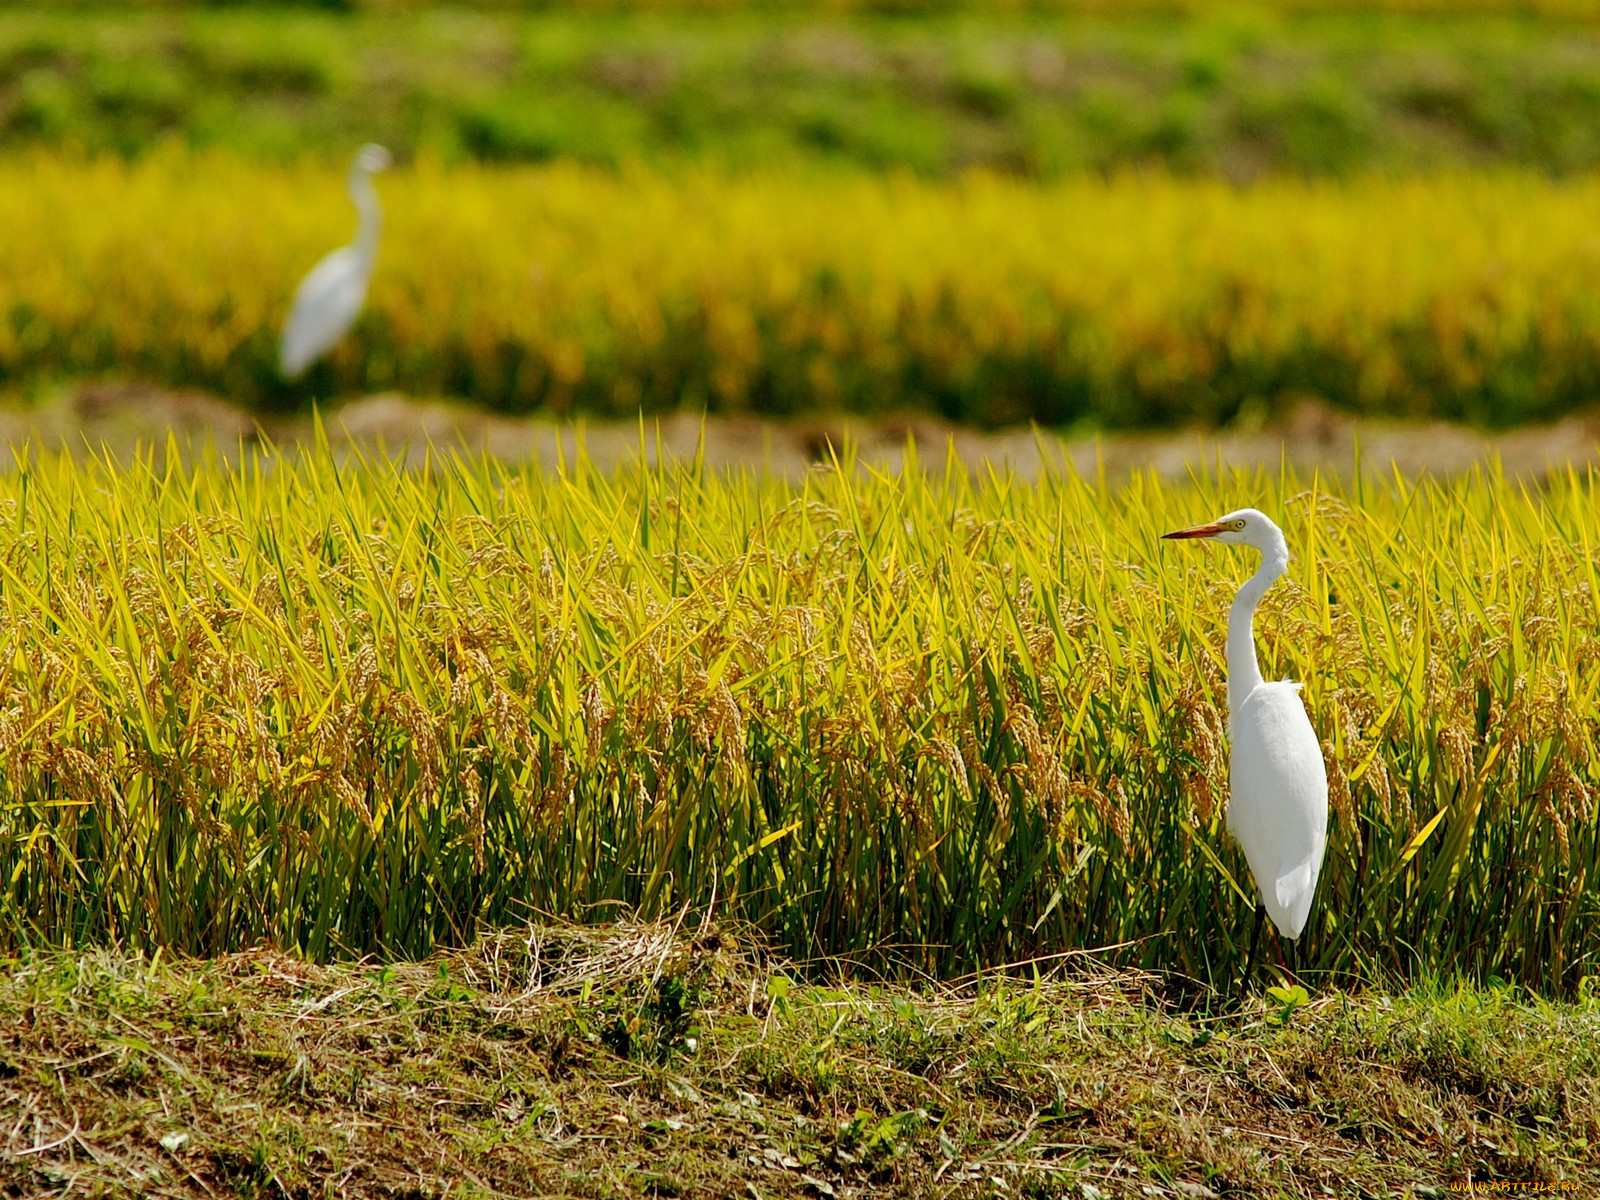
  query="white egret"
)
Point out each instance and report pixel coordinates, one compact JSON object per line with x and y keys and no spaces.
{"x":1278,"y":808}
{"x":329,"y":299}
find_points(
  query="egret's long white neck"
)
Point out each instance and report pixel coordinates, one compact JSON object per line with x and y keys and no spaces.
{"x":1244,"y":673}
{"x":365,"y":197}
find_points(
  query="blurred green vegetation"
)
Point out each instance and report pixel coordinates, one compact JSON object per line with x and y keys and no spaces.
{"x":1566,"y":10}
{"x":1240,"y":92}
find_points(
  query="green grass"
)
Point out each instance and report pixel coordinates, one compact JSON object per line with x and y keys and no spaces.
{"x":649,"y":1061}
{"x":921,"y":722}
{"x":1241,"y":93}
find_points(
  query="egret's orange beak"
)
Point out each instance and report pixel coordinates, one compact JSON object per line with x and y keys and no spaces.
{"x":1195,"y":531}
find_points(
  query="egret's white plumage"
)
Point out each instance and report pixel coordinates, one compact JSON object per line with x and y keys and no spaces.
{"x":329,"y":299}
{"x":1278,"y":810}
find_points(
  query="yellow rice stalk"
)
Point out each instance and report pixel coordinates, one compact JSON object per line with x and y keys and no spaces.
{"x":923,"y":719}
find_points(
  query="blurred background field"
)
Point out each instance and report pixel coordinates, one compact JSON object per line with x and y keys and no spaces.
{"x":1136,"y":301}
{"x":1088,"y":215}
{"x":1235,"y":91}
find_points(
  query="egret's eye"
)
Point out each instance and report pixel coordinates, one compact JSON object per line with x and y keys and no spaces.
{"x":1236,"y":524}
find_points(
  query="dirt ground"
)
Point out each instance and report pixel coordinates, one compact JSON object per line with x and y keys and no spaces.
{"x":647,"y":1061}
{"x":119,"y":417}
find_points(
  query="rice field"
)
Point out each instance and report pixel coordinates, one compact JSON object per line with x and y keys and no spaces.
{"x":924,"y":721}
{"x":1139,"y":300}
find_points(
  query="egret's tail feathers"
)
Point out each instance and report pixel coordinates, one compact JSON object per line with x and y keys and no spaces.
{"x":1293,"y":892}
{"x":292,"y":366}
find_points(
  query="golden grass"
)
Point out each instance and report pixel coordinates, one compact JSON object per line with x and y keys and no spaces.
{"x":1137,"y":300}
{"x":925,"y":720}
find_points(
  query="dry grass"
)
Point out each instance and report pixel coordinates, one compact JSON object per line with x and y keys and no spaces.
{"x":658,"y":1060}
{"x":119,"y":418}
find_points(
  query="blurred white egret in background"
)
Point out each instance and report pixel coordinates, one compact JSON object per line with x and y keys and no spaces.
{"x":329,"y":299}
{"x":1278,"y":810}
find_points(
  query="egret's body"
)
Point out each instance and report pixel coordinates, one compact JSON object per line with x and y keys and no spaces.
{"x":329,"y":299}
{"x":1278,"y":811}
{"x":1278,"y":807}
